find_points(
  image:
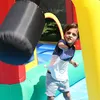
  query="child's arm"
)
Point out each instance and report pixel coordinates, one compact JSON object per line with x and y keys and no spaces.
{"x":75,"y":64}
{"x":62,"y":46}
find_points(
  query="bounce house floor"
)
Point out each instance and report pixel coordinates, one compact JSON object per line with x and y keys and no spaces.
{"x":78,"y":91}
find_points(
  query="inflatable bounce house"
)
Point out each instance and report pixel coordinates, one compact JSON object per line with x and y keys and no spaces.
{"x":22,"y":77}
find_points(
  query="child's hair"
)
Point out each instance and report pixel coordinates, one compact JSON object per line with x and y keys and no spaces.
{"x":69,"y":26}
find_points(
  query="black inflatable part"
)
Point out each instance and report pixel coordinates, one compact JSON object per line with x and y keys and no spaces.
{"x":35,"y":1}
{"x":21,"y":31}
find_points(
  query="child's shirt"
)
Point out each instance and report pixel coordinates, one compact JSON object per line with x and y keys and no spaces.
{"x":59,"y":62}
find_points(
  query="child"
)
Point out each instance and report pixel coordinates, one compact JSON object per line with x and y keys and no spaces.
{"x":57,"y":75}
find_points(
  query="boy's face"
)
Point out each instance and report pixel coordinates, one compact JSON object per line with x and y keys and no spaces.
{"x":71,"y":35}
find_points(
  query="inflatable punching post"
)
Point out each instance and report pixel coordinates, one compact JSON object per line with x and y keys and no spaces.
{"x":88,"y":16}
{"x":19,"y":34}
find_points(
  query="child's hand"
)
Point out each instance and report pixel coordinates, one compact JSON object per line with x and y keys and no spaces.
{"x":75,"y":64}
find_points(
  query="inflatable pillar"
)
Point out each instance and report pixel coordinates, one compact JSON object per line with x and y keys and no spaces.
{"x":19,"y":35}
{"x":88,"y":15}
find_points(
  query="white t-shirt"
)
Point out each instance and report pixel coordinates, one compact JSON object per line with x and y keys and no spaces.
{"x":58,"y":68}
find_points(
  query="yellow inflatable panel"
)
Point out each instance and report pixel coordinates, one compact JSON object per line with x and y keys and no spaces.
{"x":88,"y":15}
{"x":52,"y":16}
{"x":33,"y":63}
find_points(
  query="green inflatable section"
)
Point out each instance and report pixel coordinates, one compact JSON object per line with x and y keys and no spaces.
{"x":33,"y":88}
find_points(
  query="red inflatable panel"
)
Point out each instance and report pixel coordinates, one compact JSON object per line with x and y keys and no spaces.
{"x":5,"y":5}
{"x":11,"y":74}
{"x":74,"y":14}
{"x":69,"y":12}
{"x":78,"y":45}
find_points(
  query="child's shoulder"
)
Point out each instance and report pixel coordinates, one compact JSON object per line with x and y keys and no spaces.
{"x":61,"y":40}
